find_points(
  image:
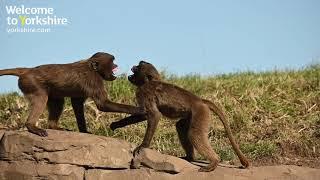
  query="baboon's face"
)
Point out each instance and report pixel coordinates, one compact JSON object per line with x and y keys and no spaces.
{"x":103,"y":64}
{"x":143,"y":73}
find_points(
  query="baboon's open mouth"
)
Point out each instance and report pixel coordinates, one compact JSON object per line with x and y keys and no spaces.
{"x":115,"y":69}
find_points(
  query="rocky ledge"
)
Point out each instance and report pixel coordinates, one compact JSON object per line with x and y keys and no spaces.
{"x":72,"y":155}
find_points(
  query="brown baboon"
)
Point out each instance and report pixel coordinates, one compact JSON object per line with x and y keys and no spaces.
{"x":157,"y":97}
{"x":49,"y":84}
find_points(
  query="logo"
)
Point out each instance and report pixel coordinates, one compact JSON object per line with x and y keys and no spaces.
{"x":33,"y":19}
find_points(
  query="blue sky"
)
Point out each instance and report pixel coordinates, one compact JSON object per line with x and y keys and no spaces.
{"x":206,"y":37}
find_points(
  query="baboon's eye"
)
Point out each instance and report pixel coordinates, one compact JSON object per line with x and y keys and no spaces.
{"x":134,"y":69}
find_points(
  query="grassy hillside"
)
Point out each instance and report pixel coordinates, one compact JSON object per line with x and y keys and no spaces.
{"x":275,"y":116}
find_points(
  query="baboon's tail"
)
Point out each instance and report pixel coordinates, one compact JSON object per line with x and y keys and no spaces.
{"x":234,"y":144}
{"x":15,"y":71}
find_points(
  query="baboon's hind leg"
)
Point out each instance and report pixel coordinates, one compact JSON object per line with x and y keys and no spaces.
{"x":183,"y":126}
{"x":77,"y":105}
{"x":38,"y":102}
{"x":55,"y":108}
{"x":198,"y":134}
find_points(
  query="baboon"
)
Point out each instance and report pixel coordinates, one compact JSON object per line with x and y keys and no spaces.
{"x":49,"y":84}
{"x":157,"y":97}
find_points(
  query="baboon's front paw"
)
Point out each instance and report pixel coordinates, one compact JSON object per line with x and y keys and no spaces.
{"x":135,"y":164}
{"x":37,"y":131}
{"x":245,"y":163}
{"x":42,"y":132}
{"x":137,"y":150}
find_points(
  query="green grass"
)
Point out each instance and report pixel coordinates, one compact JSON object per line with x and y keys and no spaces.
{"x":272,"y":114}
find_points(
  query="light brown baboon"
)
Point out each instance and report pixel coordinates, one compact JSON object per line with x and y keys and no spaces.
{"x":157,"y":97}
{"x":49,"y":84}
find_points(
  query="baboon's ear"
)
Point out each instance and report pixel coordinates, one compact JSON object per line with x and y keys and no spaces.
{"x":93,"y":65}
{"x":149,"y":77}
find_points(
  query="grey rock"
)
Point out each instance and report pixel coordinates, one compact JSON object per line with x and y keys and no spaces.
{"x":161,"y":162}
{"x":70,"y":155}
{"x":128,"y":174}
{"x":256,"y":173}
{"x":31,"y":170}
{"x":63,"y":147}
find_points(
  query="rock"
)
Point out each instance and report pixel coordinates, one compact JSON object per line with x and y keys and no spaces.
{"x":161,"y":162}
{"x":129,"y":174}
{"x":63,"y":147}
{"x":255,"y":173}
{"x":31,"y":170}
{"x":285,"y":172}
{"x":70,"y":155}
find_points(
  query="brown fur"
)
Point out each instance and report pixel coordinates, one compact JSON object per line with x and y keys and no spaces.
{"x":157,"y":97}
{"x":49,"y":84}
